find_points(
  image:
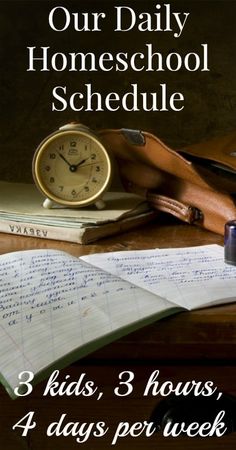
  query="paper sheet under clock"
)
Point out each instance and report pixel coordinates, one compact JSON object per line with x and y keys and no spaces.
{"x":23,"y":202}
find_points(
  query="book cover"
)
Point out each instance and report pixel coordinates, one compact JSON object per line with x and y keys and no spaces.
{"x":164,"y":67}
{"x":22,"y":213}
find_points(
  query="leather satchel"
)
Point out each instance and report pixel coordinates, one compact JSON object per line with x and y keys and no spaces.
{"x":197,"y":184}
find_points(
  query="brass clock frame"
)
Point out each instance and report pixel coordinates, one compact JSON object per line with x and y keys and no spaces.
{"x":70,"y":130}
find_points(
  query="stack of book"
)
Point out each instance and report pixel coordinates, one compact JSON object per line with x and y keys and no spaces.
{"x":21,"y":212}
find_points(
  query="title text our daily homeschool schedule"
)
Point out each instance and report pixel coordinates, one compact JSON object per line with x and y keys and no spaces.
{"x":148,"y":57}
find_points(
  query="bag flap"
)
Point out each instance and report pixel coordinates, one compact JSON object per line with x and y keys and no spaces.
{"x":144,"y":153}
{"x":172,"y":182}
{"x":146,"y":149}
{"x":221,"y":150}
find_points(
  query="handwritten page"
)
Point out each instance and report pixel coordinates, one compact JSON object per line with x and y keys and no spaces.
{"x":52,"y":303}
{"x":191,"y":277}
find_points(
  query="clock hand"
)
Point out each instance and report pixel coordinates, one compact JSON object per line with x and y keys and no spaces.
{"x":91,"y":164}
{"x":72,"y":167}
{"x":81,"y":162}
{"x":64,"y":159}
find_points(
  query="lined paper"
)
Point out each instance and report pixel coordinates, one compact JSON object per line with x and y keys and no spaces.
{"x":55,"y":307}
{"x":192,"y":277}
{"x":52,"y":303}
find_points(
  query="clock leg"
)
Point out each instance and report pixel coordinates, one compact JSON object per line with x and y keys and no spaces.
{"x":100,"y":204}
{"x":48,"y":204}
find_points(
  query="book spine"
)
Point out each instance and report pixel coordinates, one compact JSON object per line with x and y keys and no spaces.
{"x":84,"y":235}
{"x":41,"y":231}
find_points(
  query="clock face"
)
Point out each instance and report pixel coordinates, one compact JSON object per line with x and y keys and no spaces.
{"x":72,"y":168}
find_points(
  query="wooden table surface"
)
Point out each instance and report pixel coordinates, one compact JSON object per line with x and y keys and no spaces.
{"x":163,"y":232}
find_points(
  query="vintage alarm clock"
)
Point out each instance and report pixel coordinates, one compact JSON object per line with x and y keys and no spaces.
{"x":72,"y":168}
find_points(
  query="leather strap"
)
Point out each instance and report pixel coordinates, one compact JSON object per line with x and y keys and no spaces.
{"x":187,"y":213}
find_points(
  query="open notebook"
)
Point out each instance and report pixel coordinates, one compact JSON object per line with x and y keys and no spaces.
{"x":56,"y":308}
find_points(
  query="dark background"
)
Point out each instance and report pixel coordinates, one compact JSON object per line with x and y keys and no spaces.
{"x":25,"y":97}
